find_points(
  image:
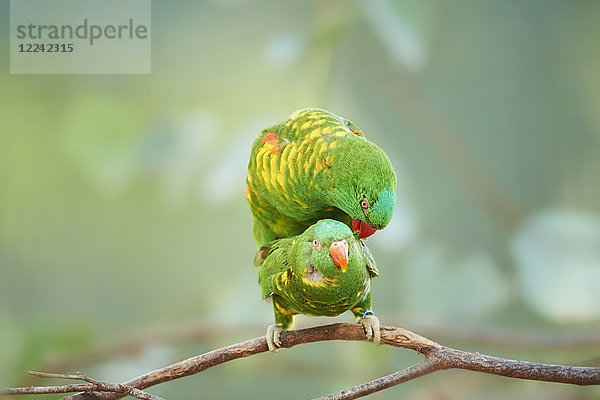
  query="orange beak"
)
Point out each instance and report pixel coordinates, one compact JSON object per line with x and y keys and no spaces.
{"x":339,"y":253}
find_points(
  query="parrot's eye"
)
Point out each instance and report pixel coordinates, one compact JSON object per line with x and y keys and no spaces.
{"x":364,"y":203}
{"x":316,"y":243}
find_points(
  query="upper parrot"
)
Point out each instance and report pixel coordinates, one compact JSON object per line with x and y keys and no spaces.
{"x":317,"y":165}
{"x":321,"y":272}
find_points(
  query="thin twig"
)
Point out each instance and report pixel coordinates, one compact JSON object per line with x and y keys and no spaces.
{"x":76,"y":387}
{"x":93,"y":385}
{"x":425,"y":367}
{"x":437,"y":357}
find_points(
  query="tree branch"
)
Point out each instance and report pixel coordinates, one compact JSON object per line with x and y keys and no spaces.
{"x":133,"y":345}
{"x":437,"y":357}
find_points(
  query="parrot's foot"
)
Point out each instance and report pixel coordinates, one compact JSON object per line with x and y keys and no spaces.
{"x":371,"y":324}
{"x":272,"y":336}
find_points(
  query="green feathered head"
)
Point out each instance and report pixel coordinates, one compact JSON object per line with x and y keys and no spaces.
{"x":329,"y":246}
{"x":365,"y":186}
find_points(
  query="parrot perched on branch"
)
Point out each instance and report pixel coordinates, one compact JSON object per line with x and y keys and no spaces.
{"x":313,"y":166}
{"x":322,"y":272}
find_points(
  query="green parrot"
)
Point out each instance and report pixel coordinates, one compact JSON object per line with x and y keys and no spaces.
{"x":322,"y":272}
{"x":313,"y":166}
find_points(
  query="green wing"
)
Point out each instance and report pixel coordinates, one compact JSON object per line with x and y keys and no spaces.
{"x":274,"y":268}
{"x":370,"y":261}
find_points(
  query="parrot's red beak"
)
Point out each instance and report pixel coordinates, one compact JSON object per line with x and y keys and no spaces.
{"x":364,"y":230}
{"x":339,"y":253}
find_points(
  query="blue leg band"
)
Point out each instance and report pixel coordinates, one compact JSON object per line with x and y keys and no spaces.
{"x":368,"y":312}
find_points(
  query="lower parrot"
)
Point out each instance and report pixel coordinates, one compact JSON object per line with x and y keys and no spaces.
{"x":322,"y":272}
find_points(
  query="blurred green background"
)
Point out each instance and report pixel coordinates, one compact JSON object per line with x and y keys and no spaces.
{"x":125,"y":239}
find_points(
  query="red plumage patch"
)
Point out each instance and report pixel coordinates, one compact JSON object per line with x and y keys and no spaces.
{"x":272,"y":143}
{"x":270,"y":138}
